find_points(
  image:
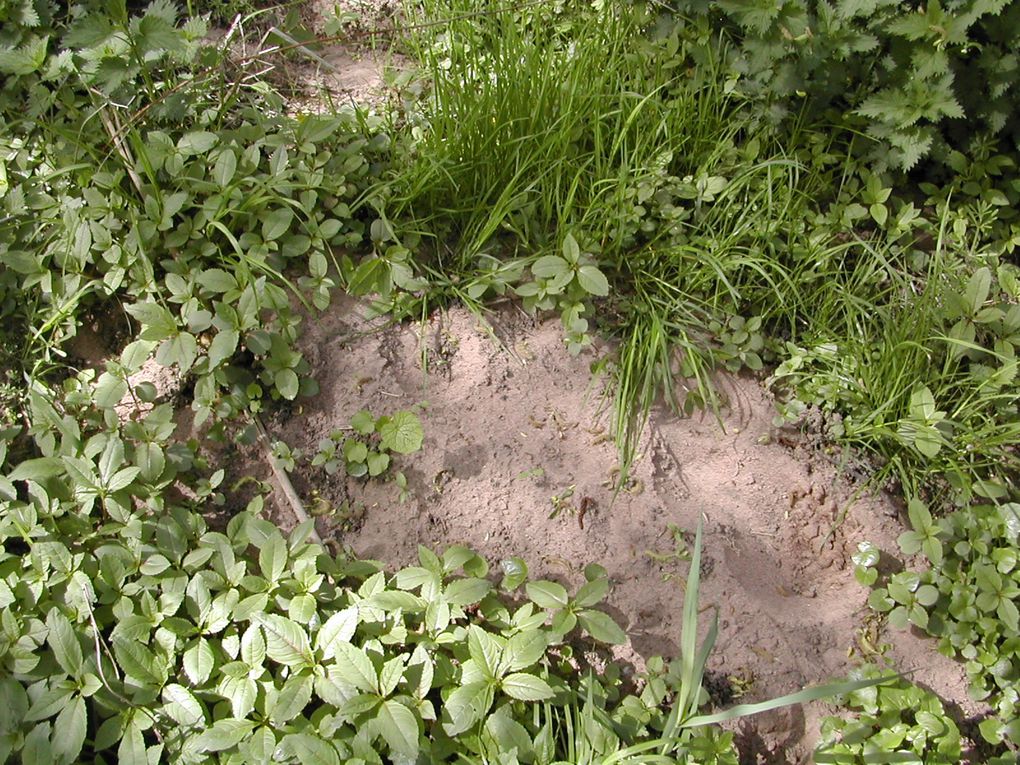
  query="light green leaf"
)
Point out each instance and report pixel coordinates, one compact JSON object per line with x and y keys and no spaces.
{"x":277,"y":223}
{"x":132,"y":747}
{"x":546,"y":594}
{"x":363,"y":422}
{"x":309,"y":750}
{"x":273,"y":557}
{"x":515,"y":572}
{"x":286,"y":642}
{"x":402,"y":433}
{"x":222,"y":347}
{"x":138,"y":661}
{"x":377,"y":463}
{"x":526,"y":687}
{"x":399,"y":727}
{"x":466,"y":706}
{"x":354,"y":667}
{"x":287,"y":383}
{"x":292,"y":699}
{"x":217,"y":280}
{"x":525,"y":648}
{"x":571,"y":250}
{"x":199,"y":662}
{"x":593,"y":281}
{"x":601,"y":627}
{"x":70,"y":726}
{"x":550,"y":267}
{"x":466,"y":592}
{"x":182,"y":706}
{"x":197,"y":142}
{"x":977,"y":289}
{"x":339,"y":628}
{"x":110,"y":389}
{"x":223,"y":734}
{"x":484,"y":650}
{"x":225,"y":167}
{"x":63,"y":642}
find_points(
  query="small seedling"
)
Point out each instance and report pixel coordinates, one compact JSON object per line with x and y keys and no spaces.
{"x":367,"y":451}
{"x":560,"y":502}
{"x":678,"y":554}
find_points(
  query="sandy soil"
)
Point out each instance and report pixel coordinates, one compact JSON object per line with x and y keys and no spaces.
{"x":513,"y":421}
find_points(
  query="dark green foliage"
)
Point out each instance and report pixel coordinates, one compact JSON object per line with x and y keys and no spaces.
{"x":915,"y":77}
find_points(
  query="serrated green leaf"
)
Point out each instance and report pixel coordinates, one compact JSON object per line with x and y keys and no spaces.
{"x":545,"y":594}
{"x":286,"y":642}
{"x":525,"y":649}
{"x":339,"y":628}
{"x":466,"y":706}
{"x":139,"y":662}
{"x":71,"y":726}
{"x":182,"y":706}
{"x":223,"y":734}
{"x":402,"y":433}
{"x":355,"y":668}
{"x":63,"y":642}
{"x":273,"y":557}
{"x":601,"y":627}
{"x":309,"y":749}
{"x":593,"y":281}
{"x":526,"y":687}
{"x":292,"y":699}
{"x":399,"y":727}
{"x":199,"y":662}
{"x":466,"y":592}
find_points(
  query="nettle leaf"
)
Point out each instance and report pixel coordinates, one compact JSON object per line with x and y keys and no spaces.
{"x":277,"y":223}
{"x":292,"y":699}
{"x":273,"y":557}
{"x":181,"y":705}
{"x":339,"y":628}
{"x":551,"y":267}
{"x":466,"y":706}
{"x":355,"y":668}
{"x":601,"y":627}
{"x":139,"y":662}
{"x":399,"y":727}
{"x":526,"y":687}
{"x":593,"y":281}
{"x":309,"y":749}
{"x":286,"y":642}
{"x":485,"y":650}
{"x":465,"y":592}
{"x":223,"y":734}
{"x":199,"y":662}
{"x":545,"y":594}
{"x":63,"y":642}
{"x":70,"y":728}
{"x":402,"y":433}
{"x":525,"y":648}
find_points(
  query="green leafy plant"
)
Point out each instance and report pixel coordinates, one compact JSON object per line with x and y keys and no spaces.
{"x":368,"y":451}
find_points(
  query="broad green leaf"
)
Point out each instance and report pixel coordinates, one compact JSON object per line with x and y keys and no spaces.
{"x":465,"y":592}
{"x":339,"y":628}
{"x":70,"y":728}
{"x":197,"y":142}
{"x":592,"y":592}
{"x":63,"y":642}
{"x":466,"y":706}
{"x":292,"y":699}
{"x":526,"y":687}
{"x":277,"y":223}
{"x":217,"y":280}
{"x":550,"y":267}
{"x":571,"y":250}
{"x":363,"y":422}
{"x":287,"y":383}
{"x":273,"y":557}
{"x":309,"y":749}
{"x":199,"y":662}
{"x":402,"y":433}
{"x":515,"y":573}
{"x":507,"y":733}
{"x":110,"y":389}
{"x":222,"y":347}
{"x":546,"y":594}
{"x":399,"y":727}
{"x":977,"y":289}
{"x":484,"y":650}
{"x":286,"y":642}
{"x":132,"y":747}
{"x":525,"y":648}
{"x":38,"y":469}
{"x":377,"y":463}
{"x":139,"y":662}
{"x":225,"y":168}
{"x":601,"y":627}
{"x":36,"y":748}
{"x":354,"y":667}
{"x":182,"y":706}
{"x":593,"y":281}
{"x":223,"y":734}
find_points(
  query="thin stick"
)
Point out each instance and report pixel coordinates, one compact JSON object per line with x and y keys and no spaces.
{"x":283,"y":479}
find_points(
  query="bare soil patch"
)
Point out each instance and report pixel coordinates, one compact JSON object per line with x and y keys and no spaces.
{"x":513,"y":421}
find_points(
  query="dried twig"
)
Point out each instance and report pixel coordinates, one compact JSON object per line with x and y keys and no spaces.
{"x":283,"y":479}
